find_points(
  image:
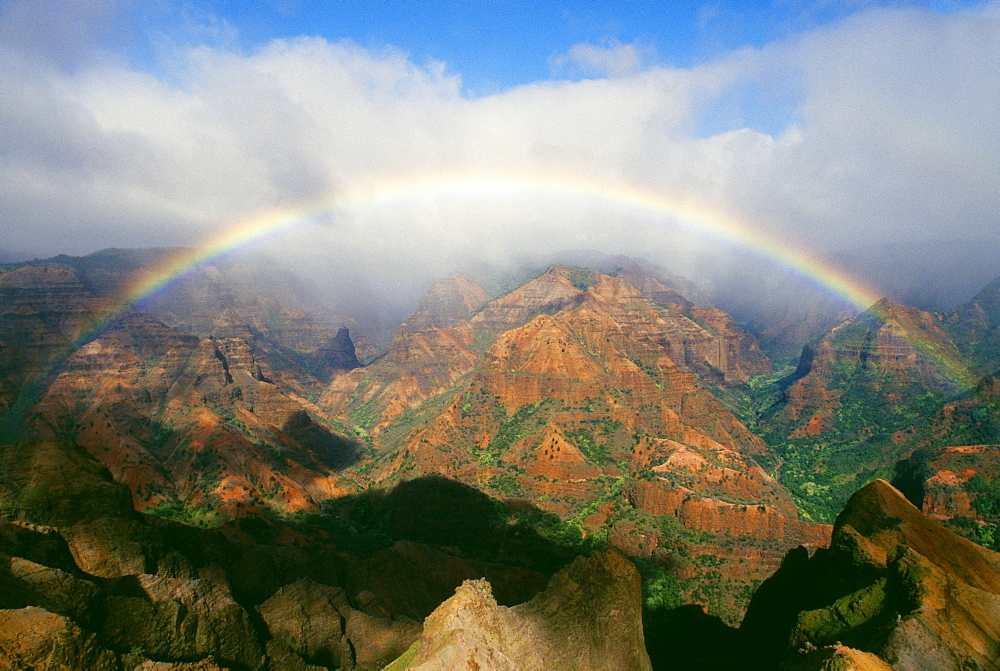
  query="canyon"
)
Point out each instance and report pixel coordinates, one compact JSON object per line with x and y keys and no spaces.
{"x":215,"y":463}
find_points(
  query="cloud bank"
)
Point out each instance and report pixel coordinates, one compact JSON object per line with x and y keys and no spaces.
{"x":880,"y":128}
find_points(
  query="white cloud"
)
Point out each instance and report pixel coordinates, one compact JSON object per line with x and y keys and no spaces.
{"x":613,"y":59}
{"x":894,"y":134}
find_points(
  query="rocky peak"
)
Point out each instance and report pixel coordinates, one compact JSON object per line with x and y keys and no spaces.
{"x":890,"y":333}
{"x":447,"y":301}
{"x":891,"y":352}
{"x":977,"y":323}
{"x":338,"y":353}
{"x":988,"y":300}
{"x":589,"y":617}
{"x":894,"y":583}
{"x":548,"y":293}
{"x":666,"y":290}
{"x":882,"y":517}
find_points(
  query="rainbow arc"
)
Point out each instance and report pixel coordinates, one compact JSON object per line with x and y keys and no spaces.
{"x":710,"y":223}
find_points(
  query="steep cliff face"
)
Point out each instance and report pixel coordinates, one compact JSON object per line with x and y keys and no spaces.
{"x":44,"y":310}
{"x":737,"y":353}
{"x":587,"y":618}
{"x":893,"y":583}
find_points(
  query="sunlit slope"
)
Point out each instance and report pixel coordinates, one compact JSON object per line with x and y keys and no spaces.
{"x":863,"y":397}
{"x":580,"y":394}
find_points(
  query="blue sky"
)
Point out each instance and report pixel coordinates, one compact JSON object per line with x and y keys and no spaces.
{"x":496,"y":44}
{"x":493,"y":45}
{"x":507,"y":43}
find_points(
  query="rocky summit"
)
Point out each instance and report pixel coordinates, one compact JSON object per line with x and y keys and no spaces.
{"x":587,"y":618}
{"x":588,"y":468}
{"x":893,"y":583}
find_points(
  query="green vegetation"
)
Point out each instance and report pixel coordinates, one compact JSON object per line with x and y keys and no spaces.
{"x":205,"y":515}
{"x":852,"y":617}
{"x":583,"y":278}
{"x":983,"y":534}
{"x":160,"y":435}
{"x":975,"y":421}
{"x":364,"y":414}
{"x":858,"y":441}
{"x":753,"y":402}
{"x":986,"y":493}
{"x":660,"y":590}
{"x":519,"y":425}
{"x":504,"y":483}
{"x":596,"y":451}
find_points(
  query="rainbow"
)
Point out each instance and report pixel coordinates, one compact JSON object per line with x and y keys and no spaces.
{"x":711,"y":223}
{"x":704,"y":221}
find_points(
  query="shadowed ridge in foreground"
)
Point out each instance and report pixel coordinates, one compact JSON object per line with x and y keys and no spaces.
{"x":84,"y":579}
{"x":589,"y":617}
{"x":893,"y":583}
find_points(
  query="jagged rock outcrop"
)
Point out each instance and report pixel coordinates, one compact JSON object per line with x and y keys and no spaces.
{"x":589,"y":617}
{"x":893,"y":583}
{"x":338,"y":353}
{"x":318,"y":623}
{"x":179,"y":619}
{"x":34,"y":638}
